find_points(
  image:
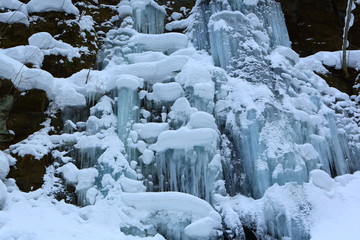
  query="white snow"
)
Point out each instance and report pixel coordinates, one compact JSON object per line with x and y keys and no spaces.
{"x":86,"y":23}
{"x":145,"y":57}
{"x":35,"y":6}
{"x":26,"y":54}
{"x":167,"y":42}
{"x":68,"y":96}
{"x":321,"y":180}
{"x":151,"y":72}
{"x":317,"y":61}
{"x":70,"y":173}
{"x":124,"y":9}
{"x":4,"y":165}
{"x":147,"y":156}
{"x":131,"y":186}
{"x":150,"y":130}
{"x":3,"y":194}
{"x":25,"y":78}
{"x":202,"y":120}
{"x":166,"y":92}
{"x":14,"y":17}
{"x":128,"y":81}
{"x":276,"y":109}
{"x":201,"y":229}
{"x":185,"y":138}
{"x":178,"y":206}
{"x":193,"y":72}
{"x":11,"y":4}
{"x":179,"y":24}
{"x":176,"y":15}
{"x":51,"y":46}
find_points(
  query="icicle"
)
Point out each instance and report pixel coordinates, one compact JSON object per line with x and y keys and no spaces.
{"x":128,"y":105}
{"x":149,"y":17}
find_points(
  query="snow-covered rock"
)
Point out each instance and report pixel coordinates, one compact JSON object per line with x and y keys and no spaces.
{"x":35,"y":6}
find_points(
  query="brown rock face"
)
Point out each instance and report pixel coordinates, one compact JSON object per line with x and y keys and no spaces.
{"x":24,"y":118}
{"x":26,"y":114}
{"x":29,"y":172}
{"x":317,"y":25}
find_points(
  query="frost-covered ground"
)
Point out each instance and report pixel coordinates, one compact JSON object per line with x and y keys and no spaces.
{"x":153,"y":158}
{"x":328,"y":208}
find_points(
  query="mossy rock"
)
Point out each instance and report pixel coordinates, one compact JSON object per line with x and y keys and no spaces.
{"x":29,"y":172}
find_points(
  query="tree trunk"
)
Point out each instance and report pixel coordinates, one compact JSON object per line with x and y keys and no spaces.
{"x":345,"y":37}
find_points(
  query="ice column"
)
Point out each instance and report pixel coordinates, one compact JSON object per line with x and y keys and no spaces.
{"x":270,"y":14}
{"x":228,"y":32}
{"x":148,"y":16}
{"x":183,"y":158}
{"x":128,"y":104}
{"x":267,"y":11}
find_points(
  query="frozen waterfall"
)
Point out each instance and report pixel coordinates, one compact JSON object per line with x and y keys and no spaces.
{"x":208,"y":119}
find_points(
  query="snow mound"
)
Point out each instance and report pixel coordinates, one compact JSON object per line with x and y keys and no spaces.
{"x":51,"y":46}
{"x":26,"y":54}
{"x":185,"y":138}
{"x":3,"y":194}
{"x":321,"y":179}
{"x":25,"y":78}
{"x":166,"y":92}
{"x":14,"y":17}
{"x":14,"y":5}
{"x":178,"y":206}
{"x":5,"y":162}
{"x":166,"y":42}
{"x":35,"y":6}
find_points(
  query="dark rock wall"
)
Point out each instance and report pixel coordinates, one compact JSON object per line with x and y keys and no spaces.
{"x":317,"y":25}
